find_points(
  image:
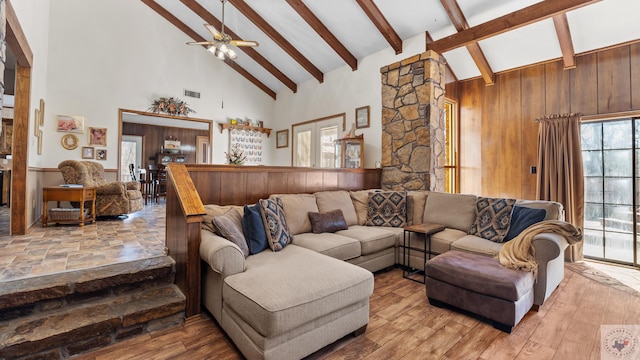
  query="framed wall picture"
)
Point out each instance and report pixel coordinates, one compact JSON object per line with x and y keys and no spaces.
{"x":70,"y":124}
{"x":98,"y":136}
{"x":101,"y":154}
{"x":87,"y":152}
{"x":282,"y":139}
{"x":362,"y":117}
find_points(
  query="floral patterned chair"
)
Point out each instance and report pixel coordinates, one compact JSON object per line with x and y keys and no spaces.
{"x":112,"y":198}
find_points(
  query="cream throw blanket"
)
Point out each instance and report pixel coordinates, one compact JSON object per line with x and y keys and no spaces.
{"x":520,"y":254}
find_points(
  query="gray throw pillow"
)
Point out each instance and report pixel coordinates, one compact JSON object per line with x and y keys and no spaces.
{"x":227,"y":227}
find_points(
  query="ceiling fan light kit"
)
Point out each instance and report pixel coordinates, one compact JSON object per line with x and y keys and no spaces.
{"x":221,"y":44}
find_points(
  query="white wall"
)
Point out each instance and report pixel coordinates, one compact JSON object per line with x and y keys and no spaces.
{"x":343,"y":91}
{"x":33,"y":16}
{"x":105,"y":55}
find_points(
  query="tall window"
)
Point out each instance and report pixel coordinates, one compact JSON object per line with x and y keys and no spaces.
{"x":451,"y":141}
{"x":611,"y":159}
{"x":314,"y":142}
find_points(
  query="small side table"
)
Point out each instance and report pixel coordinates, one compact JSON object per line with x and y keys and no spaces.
{"x":63,"y":193}
{"x":427,"y":229}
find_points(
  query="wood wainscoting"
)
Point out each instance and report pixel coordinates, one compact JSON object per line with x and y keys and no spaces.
{"x":191,"y":186}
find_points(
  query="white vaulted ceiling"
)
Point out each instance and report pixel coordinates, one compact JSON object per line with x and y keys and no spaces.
{"x":592,"y":25}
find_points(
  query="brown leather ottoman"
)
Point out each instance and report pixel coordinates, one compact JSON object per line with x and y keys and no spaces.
{"x":480,"y":285}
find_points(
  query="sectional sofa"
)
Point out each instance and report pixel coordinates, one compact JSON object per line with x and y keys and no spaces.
{"x":290,"y":303}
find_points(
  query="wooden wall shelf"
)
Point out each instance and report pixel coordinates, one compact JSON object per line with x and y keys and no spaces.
{"x":244,"y":127}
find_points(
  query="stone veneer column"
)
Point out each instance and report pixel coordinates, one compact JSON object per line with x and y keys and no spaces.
{"x":413,"y":151}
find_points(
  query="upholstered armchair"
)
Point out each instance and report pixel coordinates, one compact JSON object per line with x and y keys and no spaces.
{"x":112,"y":198}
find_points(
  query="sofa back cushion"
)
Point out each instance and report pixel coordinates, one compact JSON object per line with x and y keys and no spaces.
{"x":360,"y":199}
{"x":555,"y":210}
{"x":456,"y":211}
{"x":296,"y":209}
{"x":416,"y":201}
{"x":339,"y":199}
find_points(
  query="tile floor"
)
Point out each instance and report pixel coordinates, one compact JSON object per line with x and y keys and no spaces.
{"x":58,"y":248}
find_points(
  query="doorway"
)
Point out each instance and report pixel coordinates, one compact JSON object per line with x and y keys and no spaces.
{"x":131,"y":150}
{"x":611,"y":162}
{"x":314,"y":142}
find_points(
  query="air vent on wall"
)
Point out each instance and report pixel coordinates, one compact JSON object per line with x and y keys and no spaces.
{"x":193,"y":94}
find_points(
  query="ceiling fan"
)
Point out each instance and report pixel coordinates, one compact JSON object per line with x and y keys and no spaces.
{"x":220,"y":46}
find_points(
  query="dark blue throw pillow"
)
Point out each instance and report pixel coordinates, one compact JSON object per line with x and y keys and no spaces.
{"x":523,"y":217}
{"x":253,"y":229}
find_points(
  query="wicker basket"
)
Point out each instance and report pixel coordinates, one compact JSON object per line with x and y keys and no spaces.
{"x":65,"y":214}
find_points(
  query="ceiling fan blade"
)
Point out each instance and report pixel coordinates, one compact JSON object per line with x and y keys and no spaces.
{"x":244,"y":43}
{"x":216,"y":34}
{"x":201,"y":43}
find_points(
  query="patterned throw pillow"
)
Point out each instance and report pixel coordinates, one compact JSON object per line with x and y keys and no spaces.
{"x":275,"y":224}
{"x":493,"y":216}
{"x":387,"y":208}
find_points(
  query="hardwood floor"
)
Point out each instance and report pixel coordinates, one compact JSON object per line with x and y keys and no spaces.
{"x":404,"y":326}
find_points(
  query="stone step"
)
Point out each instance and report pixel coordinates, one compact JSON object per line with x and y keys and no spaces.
{"x":59,"y":315}
{"x":75,"y":285}
{"x":76,"y":328}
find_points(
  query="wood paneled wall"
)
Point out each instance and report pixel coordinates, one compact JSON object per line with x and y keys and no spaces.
{"x":239,"y":185}
{"x":498,"y":132}
{"x":154,"y":137}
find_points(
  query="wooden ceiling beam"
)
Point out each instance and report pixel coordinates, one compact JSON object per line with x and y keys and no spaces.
{"x":566,"y":44}
{"x":196,"y":37}
{"x":378,"y":19}
{"x":517,"y":19}
{"x":324,"y":32}
{"x":263,"y":25}
{"x":460,"y":23}
{"x":199,"y":10}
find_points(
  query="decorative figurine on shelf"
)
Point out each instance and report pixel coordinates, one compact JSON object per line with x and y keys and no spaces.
{"x":352,"y":132}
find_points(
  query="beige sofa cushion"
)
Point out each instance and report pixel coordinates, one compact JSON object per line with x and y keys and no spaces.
{"x":456,"y":211}
{"x":478,"y":245}
{"x":281,"y":291}
{"x":296,"y":210}
{"x":372,"y":238}
{"x":416,"y":201}
{"x":339,"y":199}
{"x":555,"y":210}
{"x":334,"y":245}
{"x":441,"y":241}
{"x":360,"y":199}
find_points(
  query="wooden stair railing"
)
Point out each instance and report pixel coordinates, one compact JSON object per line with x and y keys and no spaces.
{"x":184,"y":218}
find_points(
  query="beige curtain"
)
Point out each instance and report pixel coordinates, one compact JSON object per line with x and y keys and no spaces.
{"x":560,"y":177}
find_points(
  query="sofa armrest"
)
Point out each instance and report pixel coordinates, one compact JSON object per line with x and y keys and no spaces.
{"x":223,"y":256}
{"x":112,"y":188}
{"x":549,"y":253}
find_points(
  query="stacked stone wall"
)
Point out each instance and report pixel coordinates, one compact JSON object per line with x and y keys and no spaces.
{"x":413,"y":123}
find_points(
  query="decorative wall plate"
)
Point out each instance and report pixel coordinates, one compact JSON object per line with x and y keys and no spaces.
{"x":69,"y":141}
